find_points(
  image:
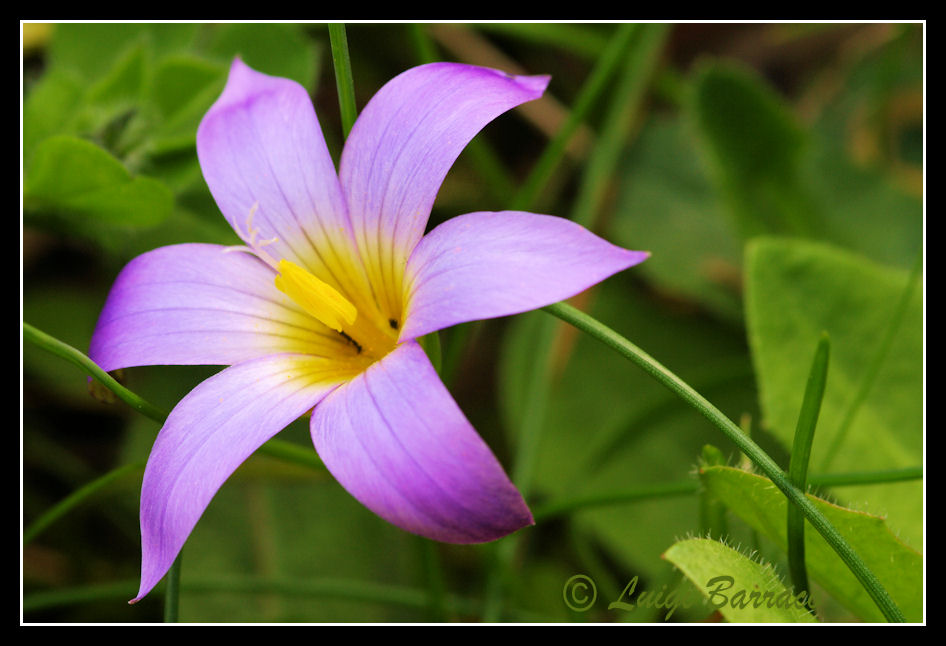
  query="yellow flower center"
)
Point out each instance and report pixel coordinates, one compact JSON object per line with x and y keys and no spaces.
{"x":330,"y":307}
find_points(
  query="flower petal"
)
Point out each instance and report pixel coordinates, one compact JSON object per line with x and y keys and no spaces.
{"x":486,"y":264}
{"x":208,"y":435}
{"x":396,"y":440}
{"x":197,"y":304}
{"x":401,"y":147}
{"x":261,"y":151}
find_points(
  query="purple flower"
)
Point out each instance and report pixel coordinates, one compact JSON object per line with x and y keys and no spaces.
{"x":323,"y":310}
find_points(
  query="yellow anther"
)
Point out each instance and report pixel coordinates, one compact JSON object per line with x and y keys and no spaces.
{"x":315,"y":296}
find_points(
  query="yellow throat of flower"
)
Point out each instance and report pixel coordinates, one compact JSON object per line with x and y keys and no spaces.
{"x":327,"y":305}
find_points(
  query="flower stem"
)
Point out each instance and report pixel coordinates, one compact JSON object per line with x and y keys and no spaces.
{"x":280,"y":449}
{"x":67,"y":352}
{"x":629,"y":87}
{"x":343,"y":77}
{"x":172,"y":592}
{"x":76,"y":498}
{"x":761,"y":459}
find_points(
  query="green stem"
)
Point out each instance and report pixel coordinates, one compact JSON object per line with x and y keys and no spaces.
{"x":424,"y":49}
{"x":433,"y":573}
{"x":566,"y":506}
{"x":628,"y":93}
{"x":280,"y":449}
{"x":798,"y":464}
{"x":76,"y":498}
{"x":343,"y":77}
{"x":332,"y":589}
{"x":712,"y":509}
{"x":854,"y":478}
{"x":172,"y":592}
{"x":67,"y":352}
{"x":587,"y":97}
{"x":625,"y":99}
{"x":644,"y":492}
{"x":761,"y":459}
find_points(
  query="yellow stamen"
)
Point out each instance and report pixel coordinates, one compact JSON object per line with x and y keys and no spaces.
{"x":315,"y":296}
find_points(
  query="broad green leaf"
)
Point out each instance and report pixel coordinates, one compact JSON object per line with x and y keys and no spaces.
{"x":898,"y":567}
{"x":49,"y":108}
{"x":178,"y":79}
{"x":91,"y":49}
{"x":668,"y":206}
{"x":125,"y":82}
{"x":184,"y":88}
{"x":863,"y":209}
{"x":743,"y":590}
{"x":272,"y":48}
{"x":76,"y":179}
{"x":752,"y":145}
{"x":794,"y":291}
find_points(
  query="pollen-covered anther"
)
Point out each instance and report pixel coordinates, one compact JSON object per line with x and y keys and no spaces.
{"x":315,"y":296}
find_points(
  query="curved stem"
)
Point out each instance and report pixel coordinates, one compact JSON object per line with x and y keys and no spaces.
{"x":755,"y":453}
{"x":77,"y":497}
{"x":67,"y":352}
{"x":280,"y":449}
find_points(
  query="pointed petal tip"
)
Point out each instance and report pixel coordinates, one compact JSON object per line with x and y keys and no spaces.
{"x":398,"y":442}
{"x":536,"y":84}
{"x":533,"y":84}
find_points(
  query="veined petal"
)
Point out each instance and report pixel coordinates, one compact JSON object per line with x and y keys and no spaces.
{"x":489,"y":264}
{"x":400,"y":149}
{"x":265,"y":161}
{"x":396,"y":440}
{"x":209,"y":434}
{"x":198,"y":304}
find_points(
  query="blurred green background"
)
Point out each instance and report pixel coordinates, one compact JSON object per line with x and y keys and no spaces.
{"x":804,"y":142}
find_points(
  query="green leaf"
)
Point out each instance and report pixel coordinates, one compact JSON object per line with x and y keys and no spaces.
{"x":179,"y":79}
{"x":752,"y":145}
{"x":898,"y":567}
{"x":90,"y":49}
{"x":668,"y":206}
{"x":125,"y":82}
{"x":184,"y":88}
{"x":863,"y":209}
{"x":741,"y":589}
{"x":76,"y":179}
{"x":271,"y":48}
{"x":796,"y":289}
{"x":49,"y":107}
